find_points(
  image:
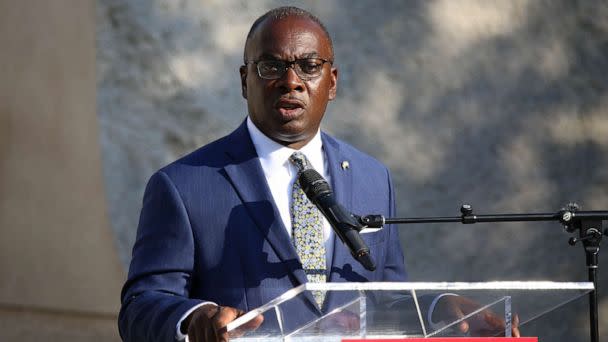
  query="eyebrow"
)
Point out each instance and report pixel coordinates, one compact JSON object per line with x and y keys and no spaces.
{"x":310,"y":55}
{"x":269,"y":56}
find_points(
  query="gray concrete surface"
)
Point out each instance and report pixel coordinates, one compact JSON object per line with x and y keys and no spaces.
{"x":60,"y":270}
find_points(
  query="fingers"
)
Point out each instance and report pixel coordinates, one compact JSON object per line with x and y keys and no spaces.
{"x":495,"y":325}
{"x":515,"y":326}
{"x":484,"y":323}
{"x":493,"y":321}
{"x":205,"y":326}
{"x":198,"y":323}
{"x":453,"y":310}
{"x":457,"y":313}
{"x":254,"y":323}
{"x":225,"y":315}
{"x":208,"y":323}
{"x":250,"y":325}
{"x":344,"y":322}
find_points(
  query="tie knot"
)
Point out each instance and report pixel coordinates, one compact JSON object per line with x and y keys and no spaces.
{"x":300,"y":161}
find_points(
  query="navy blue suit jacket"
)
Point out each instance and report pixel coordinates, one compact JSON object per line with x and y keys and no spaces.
{"x":209,"y":231}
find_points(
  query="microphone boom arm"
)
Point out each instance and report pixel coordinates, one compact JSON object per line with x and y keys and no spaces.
{"x":588,"y":224}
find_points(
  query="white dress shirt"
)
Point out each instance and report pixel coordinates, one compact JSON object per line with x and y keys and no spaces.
{"x":280,"y":175}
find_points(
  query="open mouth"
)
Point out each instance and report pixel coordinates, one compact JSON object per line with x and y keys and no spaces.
{"x":289,"y":108}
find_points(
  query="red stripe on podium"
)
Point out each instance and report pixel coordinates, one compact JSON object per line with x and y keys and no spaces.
{"x":449,"y":339}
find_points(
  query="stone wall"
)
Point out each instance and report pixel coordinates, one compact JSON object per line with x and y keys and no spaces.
{"x":498,"y":104}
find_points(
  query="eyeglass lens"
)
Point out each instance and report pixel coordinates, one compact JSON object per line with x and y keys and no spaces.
{"x":305,"y":68}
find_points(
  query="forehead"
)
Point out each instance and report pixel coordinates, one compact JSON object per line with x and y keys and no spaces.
{"x":289,"y":38}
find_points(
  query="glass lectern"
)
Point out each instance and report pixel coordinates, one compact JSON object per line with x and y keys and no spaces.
{"x":397,"y":310}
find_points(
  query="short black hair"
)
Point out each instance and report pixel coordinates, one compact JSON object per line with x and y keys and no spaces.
{"x":282,"y":13}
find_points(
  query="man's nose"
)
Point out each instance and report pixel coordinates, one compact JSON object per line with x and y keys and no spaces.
{"x":290,"y":81}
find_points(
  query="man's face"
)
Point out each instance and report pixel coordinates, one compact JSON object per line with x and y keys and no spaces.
{"x":288,"y":110}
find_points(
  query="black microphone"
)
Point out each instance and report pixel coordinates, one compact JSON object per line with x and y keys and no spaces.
{"x":344,"y":224}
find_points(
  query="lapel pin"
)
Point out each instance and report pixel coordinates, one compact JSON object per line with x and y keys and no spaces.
{"x":345,"y":165}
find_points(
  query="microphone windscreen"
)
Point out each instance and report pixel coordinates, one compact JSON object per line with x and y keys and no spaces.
{"x":313,"y":183}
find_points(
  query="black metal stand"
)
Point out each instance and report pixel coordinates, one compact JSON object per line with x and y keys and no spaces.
{"x":587,"y":223}
{"x":590,"y":234}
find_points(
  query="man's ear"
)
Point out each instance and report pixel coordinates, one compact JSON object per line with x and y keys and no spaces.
{"x":333,"y":86}
{"x":243,"y":72}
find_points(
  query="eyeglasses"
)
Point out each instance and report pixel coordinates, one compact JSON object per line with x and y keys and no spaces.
{"x":305,"y":68}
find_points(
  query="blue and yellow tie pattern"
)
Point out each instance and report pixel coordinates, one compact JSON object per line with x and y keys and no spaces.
{"x":307,"y":231}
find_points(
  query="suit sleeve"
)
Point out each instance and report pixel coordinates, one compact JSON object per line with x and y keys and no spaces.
{"x":155,"y":295}
{"x":394,"y":268}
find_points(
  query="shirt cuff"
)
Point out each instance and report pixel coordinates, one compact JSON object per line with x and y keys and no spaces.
{"x":178,"y":332}
{"x":436,"y":325}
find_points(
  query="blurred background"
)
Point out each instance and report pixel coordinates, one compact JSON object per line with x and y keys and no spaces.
{"x":499,"y":104}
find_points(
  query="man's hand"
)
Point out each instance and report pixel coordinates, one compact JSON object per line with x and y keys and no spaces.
{"x":344,"y":323}
{"x":484,"y":323}
{"x":208,"y":323}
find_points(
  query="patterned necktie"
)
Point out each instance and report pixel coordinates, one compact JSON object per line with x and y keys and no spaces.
{"x":307,"y":231}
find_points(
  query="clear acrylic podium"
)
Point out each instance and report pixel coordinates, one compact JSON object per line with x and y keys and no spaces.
{"x":396,"y":310}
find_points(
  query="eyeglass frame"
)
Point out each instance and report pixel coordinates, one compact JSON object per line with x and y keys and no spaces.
{"x":290,"y":64}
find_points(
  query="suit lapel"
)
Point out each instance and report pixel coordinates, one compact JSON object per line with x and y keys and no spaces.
{"x":342,"y":181}
{"x":342,"y":184}
{"x":248,"y":178}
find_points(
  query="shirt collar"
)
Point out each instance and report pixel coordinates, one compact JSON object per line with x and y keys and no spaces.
{"x":274,"y":154}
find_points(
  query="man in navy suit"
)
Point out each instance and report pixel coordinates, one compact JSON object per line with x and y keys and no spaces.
{"x":215,"y":227}
{"x":214,"y":237}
